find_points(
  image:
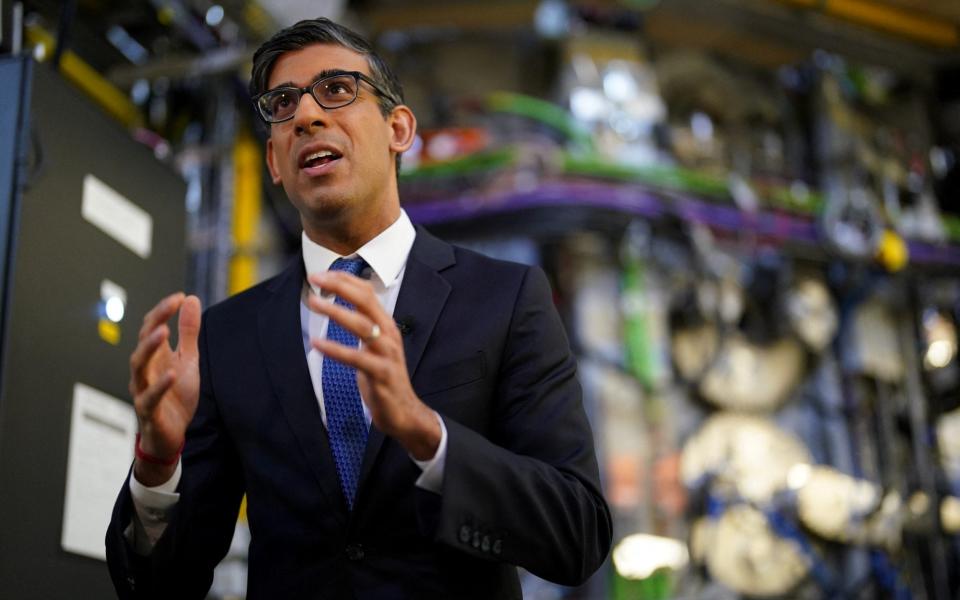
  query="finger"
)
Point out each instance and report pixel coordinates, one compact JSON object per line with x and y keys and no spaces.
{"x":374,"y":366}
{"x":356,"y":323}
{"x":188,"y":327}
{"x":160,"y":313}
{"x":354,"y":290}
{"x":147,"y":402}
{"x":360,"y":294}
{"x":140,"y":359}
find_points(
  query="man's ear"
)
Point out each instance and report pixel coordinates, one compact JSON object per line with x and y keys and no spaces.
{"x":403,"y":128}
{"x":271,"y":163}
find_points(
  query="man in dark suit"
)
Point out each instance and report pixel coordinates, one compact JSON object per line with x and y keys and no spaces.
{"x":403,"y":415}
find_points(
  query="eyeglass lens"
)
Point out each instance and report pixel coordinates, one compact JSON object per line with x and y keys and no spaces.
{"x":331,"y":92}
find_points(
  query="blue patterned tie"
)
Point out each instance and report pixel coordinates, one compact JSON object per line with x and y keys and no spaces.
{"x":346,"y":425}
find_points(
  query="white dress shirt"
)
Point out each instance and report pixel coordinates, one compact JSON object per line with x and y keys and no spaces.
{"x":387,"y":256}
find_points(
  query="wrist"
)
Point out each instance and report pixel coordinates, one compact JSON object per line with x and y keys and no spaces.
{"x":152,"y":470}
{"x":152,"y":475}
{"x":423,"y":441}
{"x":162,"y":461}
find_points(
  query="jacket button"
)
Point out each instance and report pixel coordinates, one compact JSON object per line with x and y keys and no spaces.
{"x":464,"y":533}
{"x":132,"y":583}
{"x":485,"y":543}
{"x":497,"y":547}
{"x":354,"y":551}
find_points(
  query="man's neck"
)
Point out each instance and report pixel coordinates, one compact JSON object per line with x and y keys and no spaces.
{"x":348,"y":236}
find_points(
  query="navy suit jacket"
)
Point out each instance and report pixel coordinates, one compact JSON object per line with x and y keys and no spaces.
{"x":485,"y":348}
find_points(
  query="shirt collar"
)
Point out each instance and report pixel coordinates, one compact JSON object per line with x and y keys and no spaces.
{"x":386,"y":253}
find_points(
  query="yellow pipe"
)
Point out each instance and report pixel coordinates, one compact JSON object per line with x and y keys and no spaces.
{"x":897,"y":21}
{"x":247,"y":168}
{"x":888,"y":18}
{"x":88,"y":80}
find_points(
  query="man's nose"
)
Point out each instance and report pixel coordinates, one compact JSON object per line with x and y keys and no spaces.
{"x":309,"y":114}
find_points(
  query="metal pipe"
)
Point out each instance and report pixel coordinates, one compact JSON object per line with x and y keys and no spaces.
{"x":67,"y":16}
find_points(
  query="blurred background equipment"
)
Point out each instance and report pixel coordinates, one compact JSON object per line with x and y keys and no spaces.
{"x":94,"y":234}
{"x":749,"y":211}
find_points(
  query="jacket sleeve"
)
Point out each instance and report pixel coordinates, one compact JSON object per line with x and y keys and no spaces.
{"x":529,"y":493}
{"x":202,"y":522}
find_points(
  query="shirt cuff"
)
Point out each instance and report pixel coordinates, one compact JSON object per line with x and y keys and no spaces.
{"x":432,"y":477}
{"x":152,"y":506}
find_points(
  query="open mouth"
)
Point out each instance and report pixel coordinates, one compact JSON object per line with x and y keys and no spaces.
{"x":317,"y":160}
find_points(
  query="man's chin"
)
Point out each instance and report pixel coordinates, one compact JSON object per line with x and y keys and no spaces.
{"x":325,"y":207}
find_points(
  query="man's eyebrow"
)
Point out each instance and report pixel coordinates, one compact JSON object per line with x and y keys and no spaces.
{"x":321,"y":75}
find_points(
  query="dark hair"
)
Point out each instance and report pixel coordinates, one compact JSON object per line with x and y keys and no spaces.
{"x":324,"y":31}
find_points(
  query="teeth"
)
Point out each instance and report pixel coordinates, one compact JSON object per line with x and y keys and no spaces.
{"x":320,"y":154}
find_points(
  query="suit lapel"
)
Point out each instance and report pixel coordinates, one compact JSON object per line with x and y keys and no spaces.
{"x":422,"y":297}
{"x":280,"y":337}
{"x":423,"y":294}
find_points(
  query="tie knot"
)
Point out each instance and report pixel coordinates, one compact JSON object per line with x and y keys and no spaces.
{"x":349,"y":265}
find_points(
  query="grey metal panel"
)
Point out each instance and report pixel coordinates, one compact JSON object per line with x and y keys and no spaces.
{"x":52,"y":339}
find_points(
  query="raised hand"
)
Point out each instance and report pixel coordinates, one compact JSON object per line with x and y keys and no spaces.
{"x":165,"y":383}
{"x":381,"y":367}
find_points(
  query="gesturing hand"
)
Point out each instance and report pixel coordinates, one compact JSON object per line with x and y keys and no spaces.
{"x":381,"y":366}
{"x":165,"y":383}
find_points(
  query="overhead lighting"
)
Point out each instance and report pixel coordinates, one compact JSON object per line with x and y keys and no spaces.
{"x":941,"y":337}
{"x":619,"y":83}
{"x":798,"y":476}
{"x":639,"y":555}
{"x":939,"y":354}
{"x":702,"y":126}
{"x":552,"y":19}
{"x":214,"y":15}
{"x":140,"y":91}
{"x":129,"y":47}
{"x":588,"y":104}
{"x":950,"y":514}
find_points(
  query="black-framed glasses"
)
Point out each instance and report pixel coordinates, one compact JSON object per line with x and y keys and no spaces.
{"x":336,"y":91}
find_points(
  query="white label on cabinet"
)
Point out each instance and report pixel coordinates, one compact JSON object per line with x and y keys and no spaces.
{"x":117,"y":216}
{"x":102,"y":434}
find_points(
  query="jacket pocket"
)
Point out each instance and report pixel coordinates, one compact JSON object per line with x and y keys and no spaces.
{"x":452,"y":374}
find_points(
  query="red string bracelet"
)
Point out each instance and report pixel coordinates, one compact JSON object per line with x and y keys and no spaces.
{"x":156,"y":460}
